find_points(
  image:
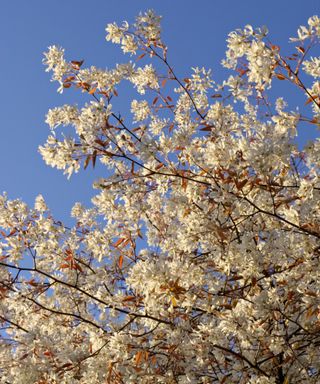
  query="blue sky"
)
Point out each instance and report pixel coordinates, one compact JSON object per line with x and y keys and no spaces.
{"x":195,"y":32}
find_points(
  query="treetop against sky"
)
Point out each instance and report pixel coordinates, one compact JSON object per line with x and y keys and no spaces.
{"x":30,"y":27}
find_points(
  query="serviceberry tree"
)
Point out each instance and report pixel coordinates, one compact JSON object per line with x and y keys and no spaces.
{"x":198,"y":261}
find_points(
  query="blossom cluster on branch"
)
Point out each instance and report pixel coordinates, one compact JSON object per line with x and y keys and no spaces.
{"x":198,"y":261}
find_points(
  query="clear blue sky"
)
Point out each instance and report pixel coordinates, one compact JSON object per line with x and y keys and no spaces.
{"x":195,"y":32}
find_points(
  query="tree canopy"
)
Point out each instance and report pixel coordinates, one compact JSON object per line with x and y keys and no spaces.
{"x":198,"y":261}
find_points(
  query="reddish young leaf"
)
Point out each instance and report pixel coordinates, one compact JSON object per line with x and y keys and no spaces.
{"x":78,"y":267}
{"x":94,"y":158}
{"x":310,"y":100}
{"x":138,"y":357}
{"x":77,"y":64}
{"x":159,"y":166}
{"x":62,"y":266}
{"x":86,"y":162}
{"x":129,"y":298}
{"x":118,"y":242}
{"x":280,"y":76}
{"x":141,"y":56}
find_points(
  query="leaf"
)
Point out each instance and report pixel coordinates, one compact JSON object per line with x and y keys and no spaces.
{"x":235,"y":278}
{"x":301,"y":49}
{"x":159,"y":166}
{"x":92,"y":91}
{"x":186,"y":212}
{"x":141,"y":56}
{"x":155,"y":100}
{"x":86,"y":162}
{"x":68,"y":79}
{"x":184,"y":183}
{"x":85,"y":86}
{"x":78,"y":267}
{"x":118,"y":242}
{"x":100,"y":142}
{"x":66,"y":85}
{"x":120,"y":261}
{"x":77,"y":64}
{"x":12,"y":232}
{"x":275,"y":47}
{"x":94,"y":158}
{"x":309,"y":313}
{"x":207,"y":129}
{"x":163,"y":83}
{"x":227,"y":306}
{"x":309,"y":100}
{"x":241,"y":184}
{"x":173,"y":301}
{"x":169,"y":98}
{"x":105,"y":94}
{"x":222,"y":233}
{"x":138,"y":357}
{"x":62,"y":266}
{"x":125,"y":243}
{"x":129,"y":298}
{"x":315,"y":121}
{"x":280,"y":76}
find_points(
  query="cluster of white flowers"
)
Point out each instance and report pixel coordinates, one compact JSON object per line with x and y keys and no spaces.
{"x":116,"y":33}
{"x":40,"y":204}
{"x":312,"y":66}
{"x":92,"y":118}
{"x":54,"y":60}
{"x":140,"y":109}
{"x":313,"y":30}
{"x":61,"y":154}
{"x":201,"y":80}
{"x":260,"y":58}
{"x":144,"y":78}
{"x":147,"y":27}
{"x":65,"y":115}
